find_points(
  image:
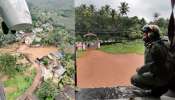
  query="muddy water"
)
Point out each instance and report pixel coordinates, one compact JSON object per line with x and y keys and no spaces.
{"x":36,"y":52}
{"x":100,"y":69}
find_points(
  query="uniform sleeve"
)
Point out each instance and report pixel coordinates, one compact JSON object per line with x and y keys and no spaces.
{"x":145,"y":68}
{"x":158,"y":53}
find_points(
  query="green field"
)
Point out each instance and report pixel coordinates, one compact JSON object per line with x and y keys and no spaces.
{"x":19,"y":84}
{"x":125,"y":47}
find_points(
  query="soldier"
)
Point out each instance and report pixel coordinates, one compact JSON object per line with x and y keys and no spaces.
{"x":153,"y":75}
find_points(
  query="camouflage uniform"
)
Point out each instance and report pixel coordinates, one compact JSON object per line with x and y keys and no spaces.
{"x":153,"y":74}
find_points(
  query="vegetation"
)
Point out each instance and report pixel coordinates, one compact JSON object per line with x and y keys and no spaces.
{"x":62,"y":36}
{"x":124,"y":8}
{"x":125,"y":47}
{"x":112,"y":24}
{"x":47,"y":91}
{"x":45,"y":62}
{"x":8,"y":64}
{"x":19,"y":76}
{"x":59,"y":37}
{"x":68,"y":77}
{"x":18,"y":84}
{"x":57,"y":33}
{"x":45,"y":13}
{"x":57,"y":25}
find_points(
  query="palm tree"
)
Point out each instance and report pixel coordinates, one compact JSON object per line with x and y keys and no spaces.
{"x":102,"y":11}
{"x":113,"y":13}
{"x":123,"y":8}
{"x":92,"y":8}
{"x":85,"y":10}
{"x":84,"y":6}
{"x":107,"y":9}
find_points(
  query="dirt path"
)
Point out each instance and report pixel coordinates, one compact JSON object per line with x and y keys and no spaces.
{"x":100,"y":69}
{"x":32,"y":54}
{"x":37,"y":52}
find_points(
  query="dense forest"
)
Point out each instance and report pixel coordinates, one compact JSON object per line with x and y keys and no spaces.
{"x":109,"y":23}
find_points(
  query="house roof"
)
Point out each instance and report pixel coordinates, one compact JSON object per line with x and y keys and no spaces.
{"x":90,"y":34}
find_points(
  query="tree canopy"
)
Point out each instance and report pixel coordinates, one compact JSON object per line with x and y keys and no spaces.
{"x":109,"y":23}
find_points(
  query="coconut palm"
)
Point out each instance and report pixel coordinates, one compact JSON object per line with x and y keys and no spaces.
{"x":84,"y":6}
{"x":113,"y":13}
{"x":124,"y":8}
{"x":102,"y":11}
{"x":92,"y":8}
{"x":107,"y":9}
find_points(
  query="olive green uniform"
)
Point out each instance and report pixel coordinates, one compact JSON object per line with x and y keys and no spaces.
{"x":154,"y":73}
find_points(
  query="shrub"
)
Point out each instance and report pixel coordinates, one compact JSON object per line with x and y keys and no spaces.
{"x":8,"y":64}
{"x":47,"y":90}
{"x":20,"y":68}
{"x":45,"y":62}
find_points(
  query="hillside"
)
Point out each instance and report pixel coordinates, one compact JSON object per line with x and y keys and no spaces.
{"x":61,"y":11}
{"x":52,"y":4}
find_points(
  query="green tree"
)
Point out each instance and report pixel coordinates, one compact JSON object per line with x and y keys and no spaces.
{"x":113,"y":14}
{"x":107,"y":23}
{"x":162,"y":23}
{"x":142,"y":22}
{"x":107,"y":9}
{"x":84,"y":6}
{"x":92,"y":8}
{"x":124,"y":8}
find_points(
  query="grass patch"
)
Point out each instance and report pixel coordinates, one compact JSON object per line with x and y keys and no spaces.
{"x":20,"y":83}
{"x":125,"y":47}
{"x":80,"y":53}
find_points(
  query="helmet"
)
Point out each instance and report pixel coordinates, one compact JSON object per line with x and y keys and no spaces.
{"x":153,"y":30}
